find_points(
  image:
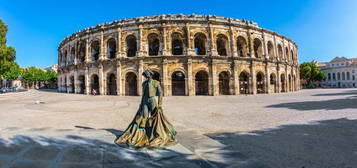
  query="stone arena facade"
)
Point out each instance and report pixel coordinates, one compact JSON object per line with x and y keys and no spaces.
{"x":189,"y":54}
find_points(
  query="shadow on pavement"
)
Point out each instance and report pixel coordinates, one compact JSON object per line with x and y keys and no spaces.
{"x":334,"y":104}
{"x":328,"y":144}
{"x":345,"y":93}
{"x":77,"y":151}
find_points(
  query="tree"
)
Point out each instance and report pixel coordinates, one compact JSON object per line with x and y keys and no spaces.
{"x":14,"y":71}
{"x":311,"y":73}
{"x":7,"y":53}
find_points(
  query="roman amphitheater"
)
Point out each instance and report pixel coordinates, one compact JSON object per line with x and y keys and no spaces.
{"x":189,"y":54}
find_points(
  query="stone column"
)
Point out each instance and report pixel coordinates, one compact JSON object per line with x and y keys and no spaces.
{"x":75,"y":54}
{"x":252,"y":79}
{"x":141,"y":49}
{"x":67,"y":82}
{"x":102,"y":47}
{"x":165,"y":45}
{"x":59,"y":88}
{"x":250,"y":44}
{"x":101,"y":80}
{"x":265,"y":49}
{"x":214,"y":83}
{"x":119,"y":80}
{"x":236,"y":78}
{"x":267,"y":78}
{"x":140,"y":77}
{"x":189,"y":83}
{"x":233,"y":46}
{"x":87,"y":81}
{"x":278,"y":80}
{"x":87,"y":51}
{"x":76,"y":88}
{"x":190,"y":44}
{"x":119,"y":54}
{"x":165,"y":81}
{"x":212,"y":49}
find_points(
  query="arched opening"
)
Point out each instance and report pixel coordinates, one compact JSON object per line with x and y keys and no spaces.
{"x":156,"y":76}
{"x":280,"y":52}
{"x":244,"y":83}
{"x":343,"y":76}
{"x":111,"y":85}
{"x":111,"y":48}
{"x":273,"y":82}
{"x":177,"y":44}
{"x":224,"y":83}
{"x":64,"y":58}
{"x":222,"y":45}
{"x":338,"y":76}
{"x":72,"y":86}
{"x":292,"y":56}
{"x":95,"y":49}
{"x":131,"y":46}
{"x":131,"y":84}
{"x":260,"y":83}
{"x":82,"y":84}
{"x":329,"y":76}
{"x":81,"y":51}
{"x":287,"y":57}
{"x":348,"y":75}
{"x":283,"y":83}
{"x":95,"y":84}
{"x":271,"y":50}
{"x":73,"y":55}
{"x":258,"y":48}
{"x":241,"y":46}
{"x":294,"y":83}
{"x":200,"y":44}
{"x":178,"y":83}
{"x":153,"y":44}
{"x":334,"y":76}
{"x":201,"y":83}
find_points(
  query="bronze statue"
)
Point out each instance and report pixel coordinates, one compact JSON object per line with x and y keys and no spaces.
{"x":149,"y":127}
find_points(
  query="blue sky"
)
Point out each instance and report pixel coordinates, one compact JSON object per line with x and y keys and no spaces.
{"x":322,"y":29}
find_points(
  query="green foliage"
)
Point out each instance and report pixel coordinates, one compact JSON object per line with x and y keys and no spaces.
{"x":14,"y":71}
{"x":33,"y":74}
{"x":311,"y":73}
{"x":7,"y":53}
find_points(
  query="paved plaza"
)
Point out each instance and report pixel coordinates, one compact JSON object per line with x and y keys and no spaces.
{"x":307,"y":129}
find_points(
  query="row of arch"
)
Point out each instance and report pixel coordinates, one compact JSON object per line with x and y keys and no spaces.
{"x":178,"y":47}
{"x":340,"y":76}
{"x":178,"y":83}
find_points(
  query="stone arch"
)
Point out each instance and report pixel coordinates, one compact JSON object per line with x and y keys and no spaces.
{"x":111,"y":84}
{"x":177,"y":43}
{"x":289,"y":83}
{"x":81,"y":51}
{"x":258,"y":48}
{"x":224,"y":83}
{"x":244,"y":82}
{"x":73,"y":55}
{"x":131,"y":84}
{"x":200,"y":43}
{"x":260,"y":82}
{"x":270,"y":50}
{"x":222,"y":45}
{"x":287,"y":57}
{"x":201,"y":82}
{"x":153,"y":44}
{"x":292,"y":56}
{"x":131,"y":45}
{"x":72,"y":86}
{"x":280,"y":52}
{"x":178,"y":83}
{"x":273,"y":82}
{"x":111,"y":48}
{"x":95,"y":50}
{"x":242,"y":46}
{"x":95,"y":84}
{"x":82,"y":84}
{"x":64,"y":58}
{"x":283,"y":83}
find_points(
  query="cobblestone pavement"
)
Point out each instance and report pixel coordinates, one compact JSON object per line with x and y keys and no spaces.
{"x":311,"y":129}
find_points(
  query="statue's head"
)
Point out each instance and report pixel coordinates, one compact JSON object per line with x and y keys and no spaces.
{"x":148,"y":74}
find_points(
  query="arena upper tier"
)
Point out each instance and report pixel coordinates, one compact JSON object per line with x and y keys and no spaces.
{"x":189,"y":54}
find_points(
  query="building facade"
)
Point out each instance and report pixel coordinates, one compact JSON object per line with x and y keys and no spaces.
{"x":189,"y":54}
{"x":341,"y":73}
